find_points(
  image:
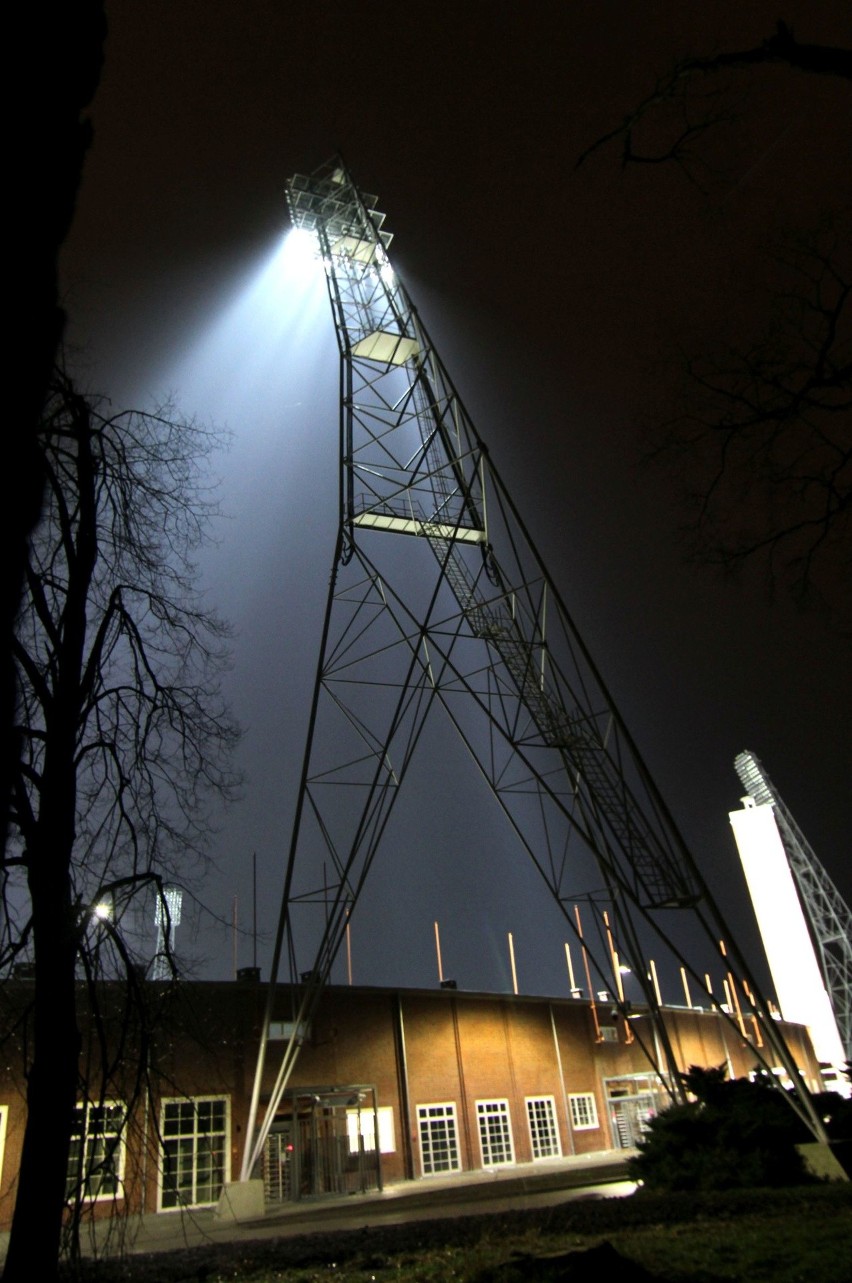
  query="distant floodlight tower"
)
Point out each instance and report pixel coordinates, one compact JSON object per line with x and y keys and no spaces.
{"x":805,"y":923}
{"x":167,"y":910}
{"x":439,"y":600}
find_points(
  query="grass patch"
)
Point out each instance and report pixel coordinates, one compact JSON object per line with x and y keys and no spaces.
{"x":783,"y":1236}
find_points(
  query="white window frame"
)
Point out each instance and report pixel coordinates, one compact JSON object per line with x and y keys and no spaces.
{"x":489,"y":1146}
{"x":167,"y":1191}
{"x":542,"y":1110}
{"x":85,"y":1108}
{"x":438,"y":1112}
{"x":584,"y":1111}
{"x":387,"y":1135}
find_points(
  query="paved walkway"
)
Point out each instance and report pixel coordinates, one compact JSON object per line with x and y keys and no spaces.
{"x":525,"y":1185}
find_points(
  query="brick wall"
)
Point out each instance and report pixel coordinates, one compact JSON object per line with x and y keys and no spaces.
{"x":436,"y":1046}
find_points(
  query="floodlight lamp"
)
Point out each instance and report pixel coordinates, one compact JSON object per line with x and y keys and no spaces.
{"x":102,"y":911}
{"x":386,"y":272}
{"x":301,"y":247}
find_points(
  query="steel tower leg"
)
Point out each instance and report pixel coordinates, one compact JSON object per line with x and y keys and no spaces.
{"x":439,"y":597}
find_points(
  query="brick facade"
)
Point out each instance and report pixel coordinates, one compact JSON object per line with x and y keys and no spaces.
{"x":500,"y":1066}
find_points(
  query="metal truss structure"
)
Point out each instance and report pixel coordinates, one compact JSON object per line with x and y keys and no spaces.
{"x":827,"y":914}
{"x":438,"y":597}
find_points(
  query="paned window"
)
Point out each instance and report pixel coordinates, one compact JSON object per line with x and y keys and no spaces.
{"x":544,"y":1134}
{"x":584,"y":1111}
{"x":495,"y":1132}
{"x":439,"y":1144}
{"x":96,"y":1156}
{"x":195,"y":1151}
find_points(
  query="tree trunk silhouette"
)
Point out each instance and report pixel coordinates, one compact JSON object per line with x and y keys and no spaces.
{"x":122,"y":731}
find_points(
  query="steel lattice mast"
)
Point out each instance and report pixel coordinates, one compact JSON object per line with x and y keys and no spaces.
{"x":439,"y":597}
{"x":827,"y":914}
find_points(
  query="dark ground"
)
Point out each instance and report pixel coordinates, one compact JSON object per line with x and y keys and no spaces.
{"x":394,"y":1251}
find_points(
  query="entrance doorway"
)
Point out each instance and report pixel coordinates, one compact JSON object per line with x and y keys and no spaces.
{"x":632,"y":1101}
{"x":323,"y":1144}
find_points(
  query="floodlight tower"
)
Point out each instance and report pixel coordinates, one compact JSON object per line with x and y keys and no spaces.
{"x":167,"y":912}
{"x":827,"y":938}
{"x":439,"y":598}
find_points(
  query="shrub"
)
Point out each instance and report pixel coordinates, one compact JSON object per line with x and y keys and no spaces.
{"x":732,"y":1136}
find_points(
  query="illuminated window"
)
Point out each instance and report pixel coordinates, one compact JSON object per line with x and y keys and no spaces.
{"x":363,"y":1122}
{"x":439,"y":1146}
{"x":544,"y":1134}
{"x":584,"y":1111}
{"x":495,"y":1132}
{"x":196,"y":1151}
{"x":96,"y":1156}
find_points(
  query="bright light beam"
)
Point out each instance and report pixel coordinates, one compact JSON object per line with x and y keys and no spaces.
{"x":279,"y":303}
{"x":300,"y":254}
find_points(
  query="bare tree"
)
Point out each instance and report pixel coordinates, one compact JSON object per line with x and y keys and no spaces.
{"x":761,"y":437}
{"x":125,"y":742}
{"x":64,"y":76}
{"x":699,"y":93}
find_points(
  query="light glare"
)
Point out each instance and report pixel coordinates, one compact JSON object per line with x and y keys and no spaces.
{"x":798,"y":982}
{"x":300,"y":247}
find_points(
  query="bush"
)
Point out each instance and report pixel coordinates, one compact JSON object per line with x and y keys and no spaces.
{"x":734,"y":1135}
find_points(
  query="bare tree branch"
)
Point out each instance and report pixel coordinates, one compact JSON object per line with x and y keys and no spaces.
{"x":760,"y":439}
{"x":681,"y":109}
{"x":762,"y":442}
{"x":125,"y":741}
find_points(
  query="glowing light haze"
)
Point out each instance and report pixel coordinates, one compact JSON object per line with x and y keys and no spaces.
{"x":552,"y":295}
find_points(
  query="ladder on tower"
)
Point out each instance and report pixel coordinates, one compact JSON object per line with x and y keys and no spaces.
{"x":660,"y":881}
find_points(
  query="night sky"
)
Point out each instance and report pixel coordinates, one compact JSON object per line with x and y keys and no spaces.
{"x":555,"y":296}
